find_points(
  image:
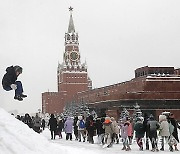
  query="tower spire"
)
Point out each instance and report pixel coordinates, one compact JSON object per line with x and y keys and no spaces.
{"x":71,"y":28}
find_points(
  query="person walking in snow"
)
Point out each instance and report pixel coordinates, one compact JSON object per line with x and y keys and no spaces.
{"x":81,"y":128}
{"x":100,"y":130}
{"x":153,"y":126}
{"x":68,"y":128}
{"x":163,"y":130}
{"x":130,"y":130}
{"x":116,"y":130}
{"x":75,"y":127}
{"x":53,"y":126}
{"x":90,"y":127}
{"x":60,"y":128}
{"x":37,"y":123}
{"x":139,"y":132}
{"x":173,"y":139}
{"x":9,"y":82}
{"x":145,"y":121}
{"x":109,"y":130}
{"x":124,"y":134}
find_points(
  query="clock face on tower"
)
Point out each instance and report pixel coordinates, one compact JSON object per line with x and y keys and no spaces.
{"x":74,"y":56}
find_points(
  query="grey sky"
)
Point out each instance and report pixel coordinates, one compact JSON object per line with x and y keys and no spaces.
{"x":116,"y":37}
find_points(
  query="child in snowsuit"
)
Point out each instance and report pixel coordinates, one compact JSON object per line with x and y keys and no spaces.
{"x":9,"y":82}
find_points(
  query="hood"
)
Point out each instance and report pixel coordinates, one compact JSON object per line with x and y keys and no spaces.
{"x":69,"y":118}
{"x":80,"y":117}
{"x":162,"y":118}
{"x":10,"y":69}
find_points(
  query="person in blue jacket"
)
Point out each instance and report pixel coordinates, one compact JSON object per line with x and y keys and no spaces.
{"x":9,"y":81}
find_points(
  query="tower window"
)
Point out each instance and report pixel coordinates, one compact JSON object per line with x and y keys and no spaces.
{"x":68,"y":37}
{"x":73,"y":37}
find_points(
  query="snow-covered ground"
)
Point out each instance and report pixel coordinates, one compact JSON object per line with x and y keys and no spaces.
{"x":17,"y":138}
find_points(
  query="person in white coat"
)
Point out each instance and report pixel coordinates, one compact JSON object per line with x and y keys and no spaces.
{"x":116,"y":130}
{"x":163,"y":130}
{"x":81,"y":128}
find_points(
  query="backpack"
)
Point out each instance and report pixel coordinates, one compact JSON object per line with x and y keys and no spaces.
{"x":154,"y":125}
{"x":81,"y":124}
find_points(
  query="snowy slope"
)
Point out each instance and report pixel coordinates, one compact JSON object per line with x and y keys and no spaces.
{"x":17,"y":138}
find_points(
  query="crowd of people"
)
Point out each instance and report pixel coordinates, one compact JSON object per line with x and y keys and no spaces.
{"x":145,"y":130}
{"x":34,"y":122}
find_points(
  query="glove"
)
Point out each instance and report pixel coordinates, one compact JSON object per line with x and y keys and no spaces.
{"x":13,"y":86}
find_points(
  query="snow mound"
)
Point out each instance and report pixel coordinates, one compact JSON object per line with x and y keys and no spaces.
{"x":18,"y":138}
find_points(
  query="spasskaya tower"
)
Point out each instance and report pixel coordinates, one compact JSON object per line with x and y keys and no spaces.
{"x":72,"y":75}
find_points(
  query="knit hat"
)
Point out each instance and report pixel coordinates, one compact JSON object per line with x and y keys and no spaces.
{"x":162,"y":117}
{"x":107,"y":120}
{"x":139,"y":119}
{"x":80,"y":117}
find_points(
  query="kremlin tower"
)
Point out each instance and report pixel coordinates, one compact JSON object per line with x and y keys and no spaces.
{"x":72,"y":75}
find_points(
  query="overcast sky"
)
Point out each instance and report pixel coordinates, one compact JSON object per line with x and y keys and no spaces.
{"x":115,"y":37}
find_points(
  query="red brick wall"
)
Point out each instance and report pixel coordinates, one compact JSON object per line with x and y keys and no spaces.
{"x":52,"y":102}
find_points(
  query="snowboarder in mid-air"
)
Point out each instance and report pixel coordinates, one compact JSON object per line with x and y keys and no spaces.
{"x":9,"y":82}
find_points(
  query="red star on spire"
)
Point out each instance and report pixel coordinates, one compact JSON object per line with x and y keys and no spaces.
{"x":70,"y":8}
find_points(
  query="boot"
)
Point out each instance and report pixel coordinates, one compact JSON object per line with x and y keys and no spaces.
{"x":117,"y":142}
{"x":124,"y":148}
{"x":84,"y":139}
{"x":128,"y":148}
{"x":176,"y":149}
{"x":162,"y":149}
{"x":153,"y":150}
{"x":110,"y":145}
{"x":171,"y":148}
{"x":18,"y":97}
{"x":141,"y":148}
{"x":157,"y":149}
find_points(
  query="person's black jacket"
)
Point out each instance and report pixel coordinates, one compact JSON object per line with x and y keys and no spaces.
{"x":9,"y":78}
{"x":27,"y":120}
{"x":90,"y":124}
{"x":60,"y":125}
{"x":175,"y":132}
{"x":53,"y":124}
{"x":99,"y":127}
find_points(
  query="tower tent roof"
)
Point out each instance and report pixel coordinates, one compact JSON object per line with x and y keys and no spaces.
{"x":71,"y":28}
